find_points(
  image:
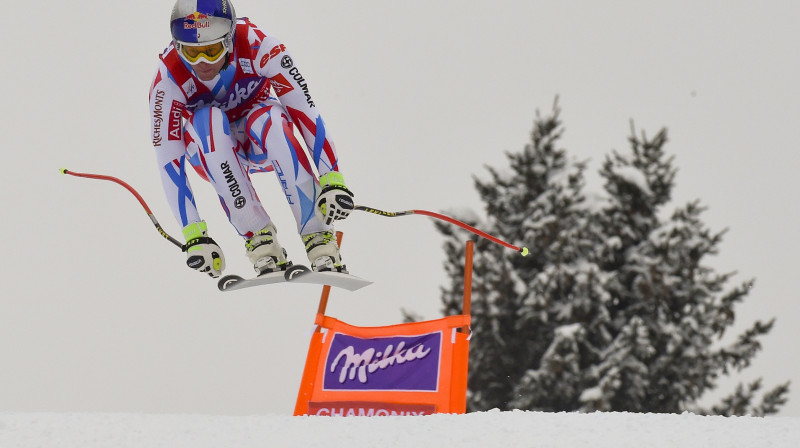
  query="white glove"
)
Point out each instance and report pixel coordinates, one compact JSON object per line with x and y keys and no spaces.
{"x":202,"y":252}
{"x":335,"y":201}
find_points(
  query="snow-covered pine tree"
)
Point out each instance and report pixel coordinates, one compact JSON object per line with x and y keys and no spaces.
{"x":667,"y":308}
{"x":614,"y":309}
{"x":517,"y":301}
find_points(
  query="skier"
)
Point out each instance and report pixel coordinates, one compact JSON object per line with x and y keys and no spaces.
{"x":211,"y":106}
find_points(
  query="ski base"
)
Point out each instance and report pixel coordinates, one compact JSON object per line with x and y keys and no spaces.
{"x":303,"y":274}
{"x":234,"y":282}
{"x":295,"y":274}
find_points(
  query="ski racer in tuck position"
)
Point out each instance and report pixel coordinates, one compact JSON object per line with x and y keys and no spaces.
{"x":211,"y":108}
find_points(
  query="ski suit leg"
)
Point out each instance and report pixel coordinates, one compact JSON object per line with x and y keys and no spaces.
{"x":273,"y":142}
{"x":212,"y":149}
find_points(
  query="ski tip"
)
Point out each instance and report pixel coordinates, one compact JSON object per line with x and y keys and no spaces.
{"x":62,"y":170}
{"x":524,"y":251}
{"x":228,"y":282}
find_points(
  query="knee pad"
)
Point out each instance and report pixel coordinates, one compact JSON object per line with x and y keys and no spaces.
{"x":207,"y":134}
{"x":261,"y":121}
{"x":209,"y":127}
{"x":262,"y":118}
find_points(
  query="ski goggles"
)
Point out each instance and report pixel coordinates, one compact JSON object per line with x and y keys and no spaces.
{"x":194,"y":54}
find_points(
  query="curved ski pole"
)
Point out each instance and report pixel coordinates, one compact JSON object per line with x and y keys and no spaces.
{"x":522,"y":250}
{"x":135,"y":193}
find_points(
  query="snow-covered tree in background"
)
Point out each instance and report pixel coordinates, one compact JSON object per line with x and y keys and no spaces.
{"x":614,"y":309}
{"x":516,"y":300}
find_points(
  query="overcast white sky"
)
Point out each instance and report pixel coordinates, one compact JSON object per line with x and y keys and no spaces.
{"x":99,"y":313}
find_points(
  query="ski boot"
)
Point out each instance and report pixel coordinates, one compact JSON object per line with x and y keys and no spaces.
{"x":265,"y":252}
{"x":323,"y":252}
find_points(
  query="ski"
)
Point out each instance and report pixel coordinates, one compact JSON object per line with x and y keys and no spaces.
{"x":294,"y":274}
{"x":234,"y":282}
{"x":302,"y":274}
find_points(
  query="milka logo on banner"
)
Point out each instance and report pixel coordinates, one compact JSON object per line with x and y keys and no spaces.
{"x":401,"y":363}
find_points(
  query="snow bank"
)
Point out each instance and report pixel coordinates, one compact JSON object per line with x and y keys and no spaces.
{"x":485,"y":429}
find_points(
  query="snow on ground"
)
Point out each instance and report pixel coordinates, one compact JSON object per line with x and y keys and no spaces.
{"x":484,"y":429}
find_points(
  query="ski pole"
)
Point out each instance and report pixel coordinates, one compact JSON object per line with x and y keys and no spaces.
{"x":135,"y":193}
{"x":522,"y":250}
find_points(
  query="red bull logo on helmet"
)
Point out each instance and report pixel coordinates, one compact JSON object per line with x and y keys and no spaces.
{"x":196,"y":20}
